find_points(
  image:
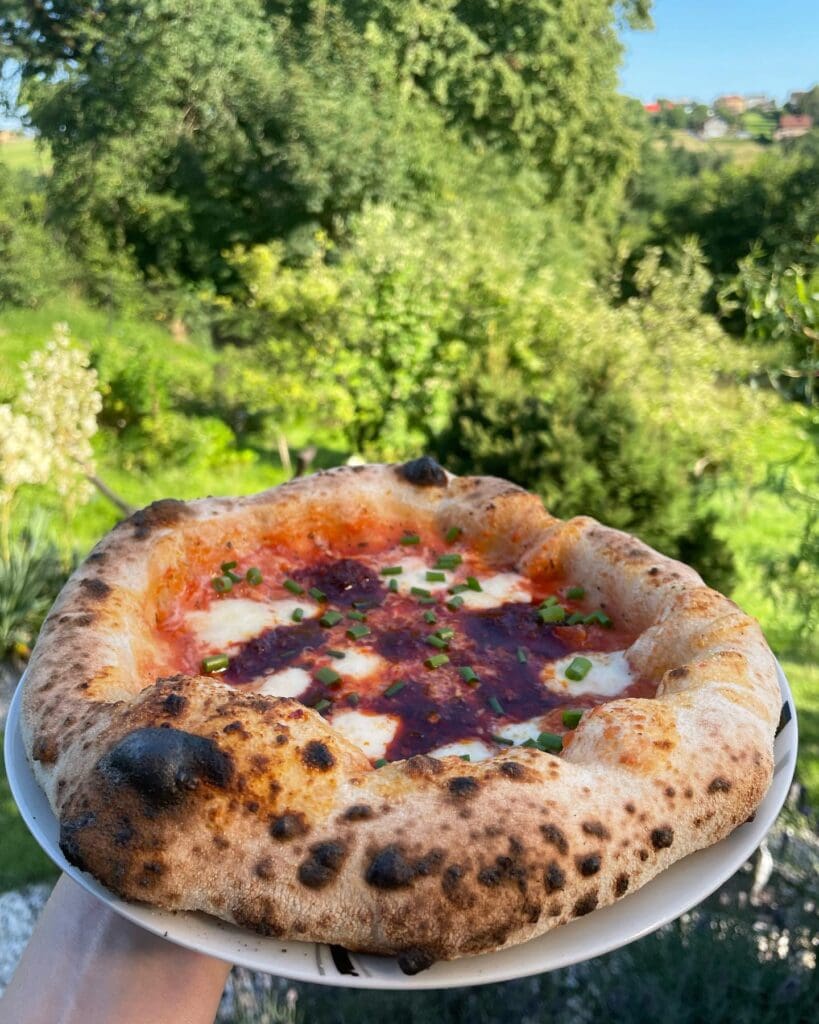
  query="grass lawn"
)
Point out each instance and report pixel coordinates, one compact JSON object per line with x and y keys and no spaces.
{"x":742,"y":152}
{"x":25,"y":154}
{"x":21,"y":859}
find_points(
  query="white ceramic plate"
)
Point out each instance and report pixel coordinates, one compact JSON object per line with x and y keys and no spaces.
{"x":676,"y":890}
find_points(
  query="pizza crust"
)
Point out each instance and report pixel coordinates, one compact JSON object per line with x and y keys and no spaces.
{"x":189,"y":794}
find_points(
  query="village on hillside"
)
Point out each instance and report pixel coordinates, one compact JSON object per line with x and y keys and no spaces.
{"x":752,"y":116}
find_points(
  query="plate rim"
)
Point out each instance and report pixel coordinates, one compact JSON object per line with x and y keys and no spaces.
{"x":230,"y":943}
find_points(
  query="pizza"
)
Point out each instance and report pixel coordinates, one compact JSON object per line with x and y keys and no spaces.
{"x":392,"y":709}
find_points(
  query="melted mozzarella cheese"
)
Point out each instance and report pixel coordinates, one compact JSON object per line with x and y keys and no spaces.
{"x":370,"y":731}
{"x":609,"y":675}
{"x":521,"y":731}
{"x":477,"y":750}
{"x":235,"y":620}
{"x":290,"y":682}
{"x":502,"y":588}
{"x":414,"y":574}
{"x":358,"y":663}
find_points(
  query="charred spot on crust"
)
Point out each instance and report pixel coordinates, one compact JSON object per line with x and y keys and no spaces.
{"x":490,"y":876}
{"x":358,"y":812}
{"x":156,"y":515}
{"x":719,"y":785}
{"x":412,"y":961}
{"x":288,"y":826}
{"x":630,"y":808}
{"x":263,"y":869}
{"x":589,"y":865}
{"x":585,"y":905}
{"x":595,"y":828}
{"x":553,"y":835}
{"x":317,"y":755}
{"x":513,"y":770}
{"x":174,"y":704}
{"x":662,"y":838}
{"x":554,"y":878}
{"x":163,"y":763}
{"x":679,"y":673}
{"x":44,"y":750}
{"x":389,"y":869}
{"x":69,"y":838}
{"x":95,"y":588}
{"x":621,"y":885}
{"x":322,"y":866}
{"x":422,"y":765}
{"x":423,"y":472}
{"x":452,"y":879}
{"x":463,"y":787}
{"x":429,"y":863}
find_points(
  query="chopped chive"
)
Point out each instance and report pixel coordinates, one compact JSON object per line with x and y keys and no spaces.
{"x":215,"y":663}
{"x":549,"y":601}
{"x":328,"y":676}
{"x":293,"y":587}
{"x":452,"y":534}
{"x":571,"y":718}
{"x":427,"y":600}
{"x":222,"y":584}
{"x":465,"y":757}
{"x":445,"y":634}
{"x":530,"y":743}
{"x":554,"y":613}
{"x":392,"y":570}
{"x":550,"y":742}
{"x":599,"y":617}
{"x":473,"y":583}
{"x":322,"y":705}
{"x":317,"y":594}
{"x":410,"y":538}
{"x":435,"y":577}
{"x":454,"y":603}
{"x":578,"y":669}
{"x":233,"y":577}
{"x":420,"y":592}
{"x":357,"y":632}
{"x":227,"y":566}
{"x":335,"y":654}
{"x":522,"y":656}
{"x":430,"y":617}
{"x":575,"y":619}
{"x":503,"y":740}
{"x":298,"y":614}
{"x":380,"y":762}
{"x":254,"y":576}
{"x":448,"y":561}
{"x":469,"y":675}
{"x":393,"y":587}
{"x":395,"y":687}
{"x":458,"y":588}
{"x":496,"y":706}
{"x":357,"y":616}
{"x":575,"y":593}
{"x":437,"y":660}
{"x":331,"y":618}
{"x":353,"y":699}
{"x":437,"y":641}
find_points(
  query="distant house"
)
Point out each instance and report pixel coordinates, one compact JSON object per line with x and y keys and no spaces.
{"x":652,"y":108}
{"x":714,"y":128}
{"x":759,"y":101}
{"x":731,"y":103}
{"x":791,"y":126}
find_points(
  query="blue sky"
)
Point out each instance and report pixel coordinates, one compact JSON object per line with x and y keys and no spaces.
{"x":701,"y":48}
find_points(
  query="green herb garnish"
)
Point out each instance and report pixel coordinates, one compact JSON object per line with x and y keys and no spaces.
{"x":222,"y":584}
{"x":298,"y":614}
{"x":331,"y":618}
{"x":316,"y":594}
{"x":293,"y":587}
{"x":395,"y":687}
{"x":575,"y":593}
{"x":496,"y":706}
{"x":328,"y":676}
{"x":469,"y":675}
{"x":254,"y":576}
{"x":571,"y":718}
{"x":578,"y":669}
{"x":437,"y":660}
{"x":215,"y":663}
{"x":357,"y":632}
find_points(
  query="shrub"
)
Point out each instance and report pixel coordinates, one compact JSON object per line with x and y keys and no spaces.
{"x":31,"y":576}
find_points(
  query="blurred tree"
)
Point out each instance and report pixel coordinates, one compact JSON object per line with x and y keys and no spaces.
{"x":180,"y":130}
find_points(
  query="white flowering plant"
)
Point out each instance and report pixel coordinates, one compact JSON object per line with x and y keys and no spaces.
{"x":45,"y":433}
